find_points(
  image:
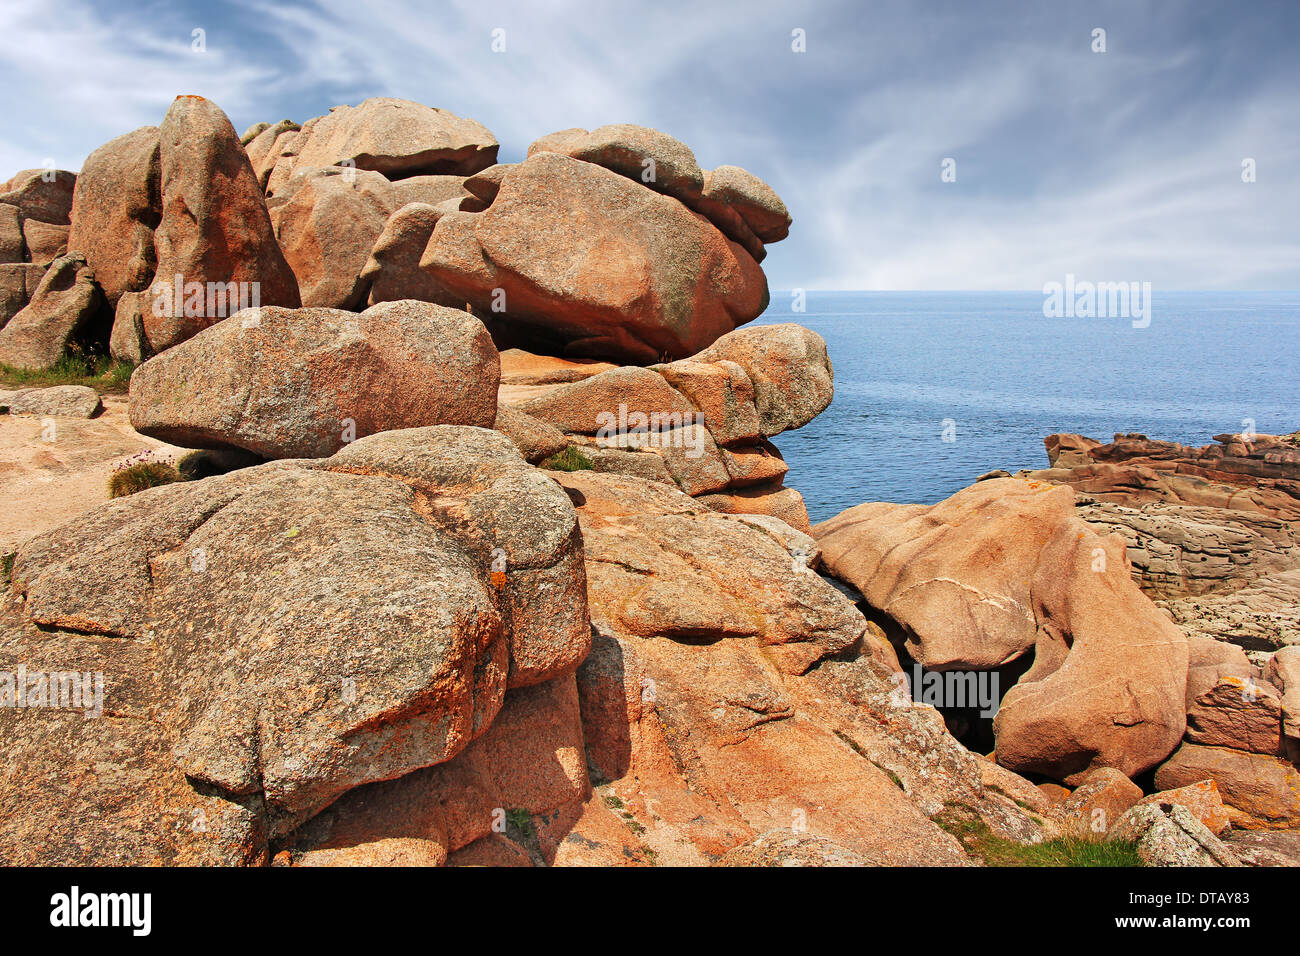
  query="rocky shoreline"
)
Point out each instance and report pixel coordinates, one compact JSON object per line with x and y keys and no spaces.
{"x":492,"y":558}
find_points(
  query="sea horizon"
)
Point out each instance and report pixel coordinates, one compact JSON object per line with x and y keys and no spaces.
{"x":927,"y":397}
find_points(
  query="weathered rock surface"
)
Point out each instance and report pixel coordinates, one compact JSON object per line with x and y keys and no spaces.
{"x":784,"y":848}
{"x":1201,"y":799}
{"x":44,"y":241}
{"x":66,"y":308}
{"x":160,"y":209}
{"x":1209,"y":661}
{"x":12,"y":247}
{"x":791,"y":373}
{"x":1283,"y":671}
{"x":116,"y":206}
{"x":18,"y":282}
{"x":1180,"y":550}
{"x":1211,"y":531}
{"x":1264,"y":791}
{"x":398,"y":138}
{"x":634,"y":410}
{"x":702,"y":419}
{"x":73,"y":401}
{"x":524,"y":369}
{"x":742,"y":206}
{"x":485,"y":184}
{"x":1196,"y":520}
{"x":1097,"y":804}
{"x":556,"y":142}
{"x":592,"y":404}
{"x":1172,"y":837}
{"x":717,"y":708}
{"x":689,"y":455}
{"x":261,"y":663}
{"x":24,"y":235}
{"x":759,"y":464}
{"x":432,"y":190}
{"x":1260,"y":616}
{"x":267,"y":146}
{"x":530,"y":760}
{"x":751,"y":198}
{"x":722,"y":391}
{"x":598,"y":263}
{"x":392,"y":270}
{"x":535,"y":438}
{"x":214,"y":226}
{"x":286,"y":383}
{"x":1004,"y":566}
{"x":767,"y":499}
{"x":1265,"y":847}
{"x":1261,"y":474}
{"x":681,"y":575}
{"x":636,"y":464}
{"x":654,"y":159}
{"x":1245,"y":714}
{"x":44,"y":195}
{"x":327,"y":221}
{"x":352,"y":236}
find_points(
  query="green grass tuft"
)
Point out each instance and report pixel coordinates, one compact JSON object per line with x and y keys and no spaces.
{"x":520,"y":819}
{"x":139,"y":476}
{"x":7,"y":567}
{"x":521,"y":831}
{"x":984,"y":845}
{"x":571,"y":459}
{"x":103,"y":374}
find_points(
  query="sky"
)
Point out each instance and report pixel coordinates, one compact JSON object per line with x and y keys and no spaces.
{"x":1122,"y":165}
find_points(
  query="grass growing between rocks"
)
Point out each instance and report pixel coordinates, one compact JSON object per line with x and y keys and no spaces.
{"x":985,"y":846}
{"x":571,"y":459}
{"x":7,"y":568}
{"x":522,"y":831}
{"x":621,"y":810}
{"x":103,"y":374}
{"x":129,"y":479}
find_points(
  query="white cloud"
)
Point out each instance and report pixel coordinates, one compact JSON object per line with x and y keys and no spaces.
{"x":81,"y":76}
{"x":1114,"y":166}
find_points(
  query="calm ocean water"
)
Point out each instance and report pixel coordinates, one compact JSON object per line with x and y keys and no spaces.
{"x":1004,"y":377}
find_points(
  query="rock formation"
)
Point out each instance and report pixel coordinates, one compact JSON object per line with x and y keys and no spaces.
{"x":302,"y":383}
{"x":487,"y":556}
{"x":398,"y":138}
{"x":730,"y":691}
{"x":35,"y":207}
{"x":264,"y":664}
{"x":597,"y":262}
{"x":71,"y":401}
{"x":66,"y":309}
{"x":1005,"y":568}
{"x":700,"y":424}
{"x":1211,"y":536}
{"x":18,"y":283}
{"x":173,"y":224}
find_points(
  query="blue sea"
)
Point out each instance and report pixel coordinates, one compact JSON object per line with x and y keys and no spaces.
{"x":990,"y":372}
